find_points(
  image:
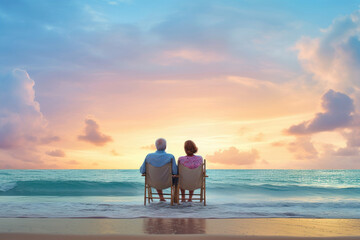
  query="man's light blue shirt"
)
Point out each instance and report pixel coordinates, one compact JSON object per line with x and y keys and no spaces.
{"x":159,"y":159}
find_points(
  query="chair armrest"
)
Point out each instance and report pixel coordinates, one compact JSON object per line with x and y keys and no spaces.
{"x":175,"y":176}
{"x":143,"y":175}
{"x":206,"y":176}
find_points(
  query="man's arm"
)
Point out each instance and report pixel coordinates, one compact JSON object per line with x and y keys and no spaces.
{"x":174,"y":166}
{"x":143,"y":167}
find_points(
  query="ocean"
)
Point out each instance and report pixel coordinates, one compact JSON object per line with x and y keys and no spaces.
{"x":230,"y":194}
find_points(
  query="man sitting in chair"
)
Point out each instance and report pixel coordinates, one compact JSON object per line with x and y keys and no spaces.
{"x":159,"y":159}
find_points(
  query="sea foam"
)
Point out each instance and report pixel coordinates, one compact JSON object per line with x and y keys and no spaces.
{"x":230,"y":194}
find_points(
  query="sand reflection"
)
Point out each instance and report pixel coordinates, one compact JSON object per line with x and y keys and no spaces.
{"x":174,"y":226}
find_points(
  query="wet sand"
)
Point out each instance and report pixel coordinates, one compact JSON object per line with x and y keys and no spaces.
{"x":160,"y":228}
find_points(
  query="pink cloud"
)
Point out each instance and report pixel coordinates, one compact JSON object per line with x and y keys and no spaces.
{"x":22,"y":124}
{"x":50,"y":139}
{"x":352,"y":144}
{"x":303,"y":148}
{"x":56,"y":153}
{"x":333,"y":57}
{"x":21,"y":121}
{"x":93,"y":134}
{"x":339,"y":109}
{"x":347,"y":151}
{"x":353,"y":137}
{"x":232,"y":156}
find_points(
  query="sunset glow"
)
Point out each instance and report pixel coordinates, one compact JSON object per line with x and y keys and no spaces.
{"x":93,"y":84}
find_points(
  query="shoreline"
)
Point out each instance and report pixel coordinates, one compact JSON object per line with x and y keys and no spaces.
{"x":240,"y":228}
{"x":160,"y":237}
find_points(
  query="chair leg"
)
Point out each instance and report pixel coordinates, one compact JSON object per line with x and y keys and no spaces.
{"x":204,"y":181}
{"x":149,"y":194}
{"x":145,"y":196}
{"x":178,"y":194}
{"x":204,"y":193}
{"x":172,"y":195}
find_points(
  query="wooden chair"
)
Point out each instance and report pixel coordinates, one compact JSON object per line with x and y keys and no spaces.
{"x":192,"y":179}
{"x":159,"y":178}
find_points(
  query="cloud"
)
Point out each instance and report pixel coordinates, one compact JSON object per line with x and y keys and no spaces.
{"x":334,"y":57}
{"x":303,"y":148}
{"x":334,"y":60}
{"x":243,"y":130}
{"x":265,"y":162}
{"x":72,"y":162}
{"x":232,"y":156}
{"x":339,"y":109}
{"x":278,"y":144}
{"x":337,"y":158}
{"x":50,"y":139}
{"x":149,"y":147}
{"x":90,"y":36}
{"x":347,"y":151}
{"x":21,"y":121}
{"x":114,"y":152}
{"x":257,"y":138}
{"x":251,"y":82}
{"x":56,"y":153}
{"x":191,"y":55}
{"x":353,"y":137}
{"x":352,"y":144}
{"x":93,"y":134}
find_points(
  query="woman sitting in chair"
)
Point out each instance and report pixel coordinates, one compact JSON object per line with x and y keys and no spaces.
{"x":190,"y":161}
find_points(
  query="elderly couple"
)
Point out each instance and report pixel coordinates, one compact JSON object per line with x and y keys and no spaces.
{"x":160,"y":158}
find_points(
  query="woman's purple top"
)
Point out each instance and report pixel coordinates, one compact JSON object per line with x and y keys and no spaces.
{"x":191,"y":162}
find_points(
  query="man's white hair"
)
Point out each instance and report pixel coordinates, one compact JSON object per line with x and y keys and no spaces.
{"x":160,"y":144}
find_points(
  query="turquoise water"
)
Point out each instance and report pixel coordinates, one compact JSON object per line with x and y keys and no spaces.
{"x":230,"y":194}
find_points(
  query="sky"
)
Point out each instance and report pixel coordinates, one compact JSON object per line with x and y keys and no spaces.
{"x":269,"y":84}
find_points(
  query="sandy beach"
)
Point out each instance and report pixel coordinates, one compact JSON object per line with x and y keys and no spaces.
{"x":162,"y":228}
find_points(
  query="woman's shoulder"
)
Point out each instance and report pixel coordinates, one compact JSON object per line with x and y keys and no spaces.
{"x":190,"y":157}
{"x":182,"y":158}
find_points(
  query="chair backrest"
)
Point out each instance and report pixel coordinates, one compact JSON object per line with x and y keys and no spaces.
{"x":191,"y":179}
{"x":159,"y":177}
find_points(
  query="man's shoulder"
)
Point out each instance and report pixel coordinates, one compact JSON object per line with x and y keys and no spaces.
{"x":150,"y":155}
{"x":156,"y":155}
{"x":170,"y":155}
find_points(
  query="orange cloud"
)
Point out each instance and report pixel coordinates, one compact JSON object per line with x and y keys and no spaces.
{"x":149,"y":147}
{"x":278,"y":144}
{"x":114,"y":153}
{"x":73,"y":162}
{"x":257,"y":138}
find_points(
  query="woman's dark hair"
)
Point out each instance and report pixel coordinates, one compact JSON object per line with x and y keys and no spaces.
{"x":190,"y":148}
